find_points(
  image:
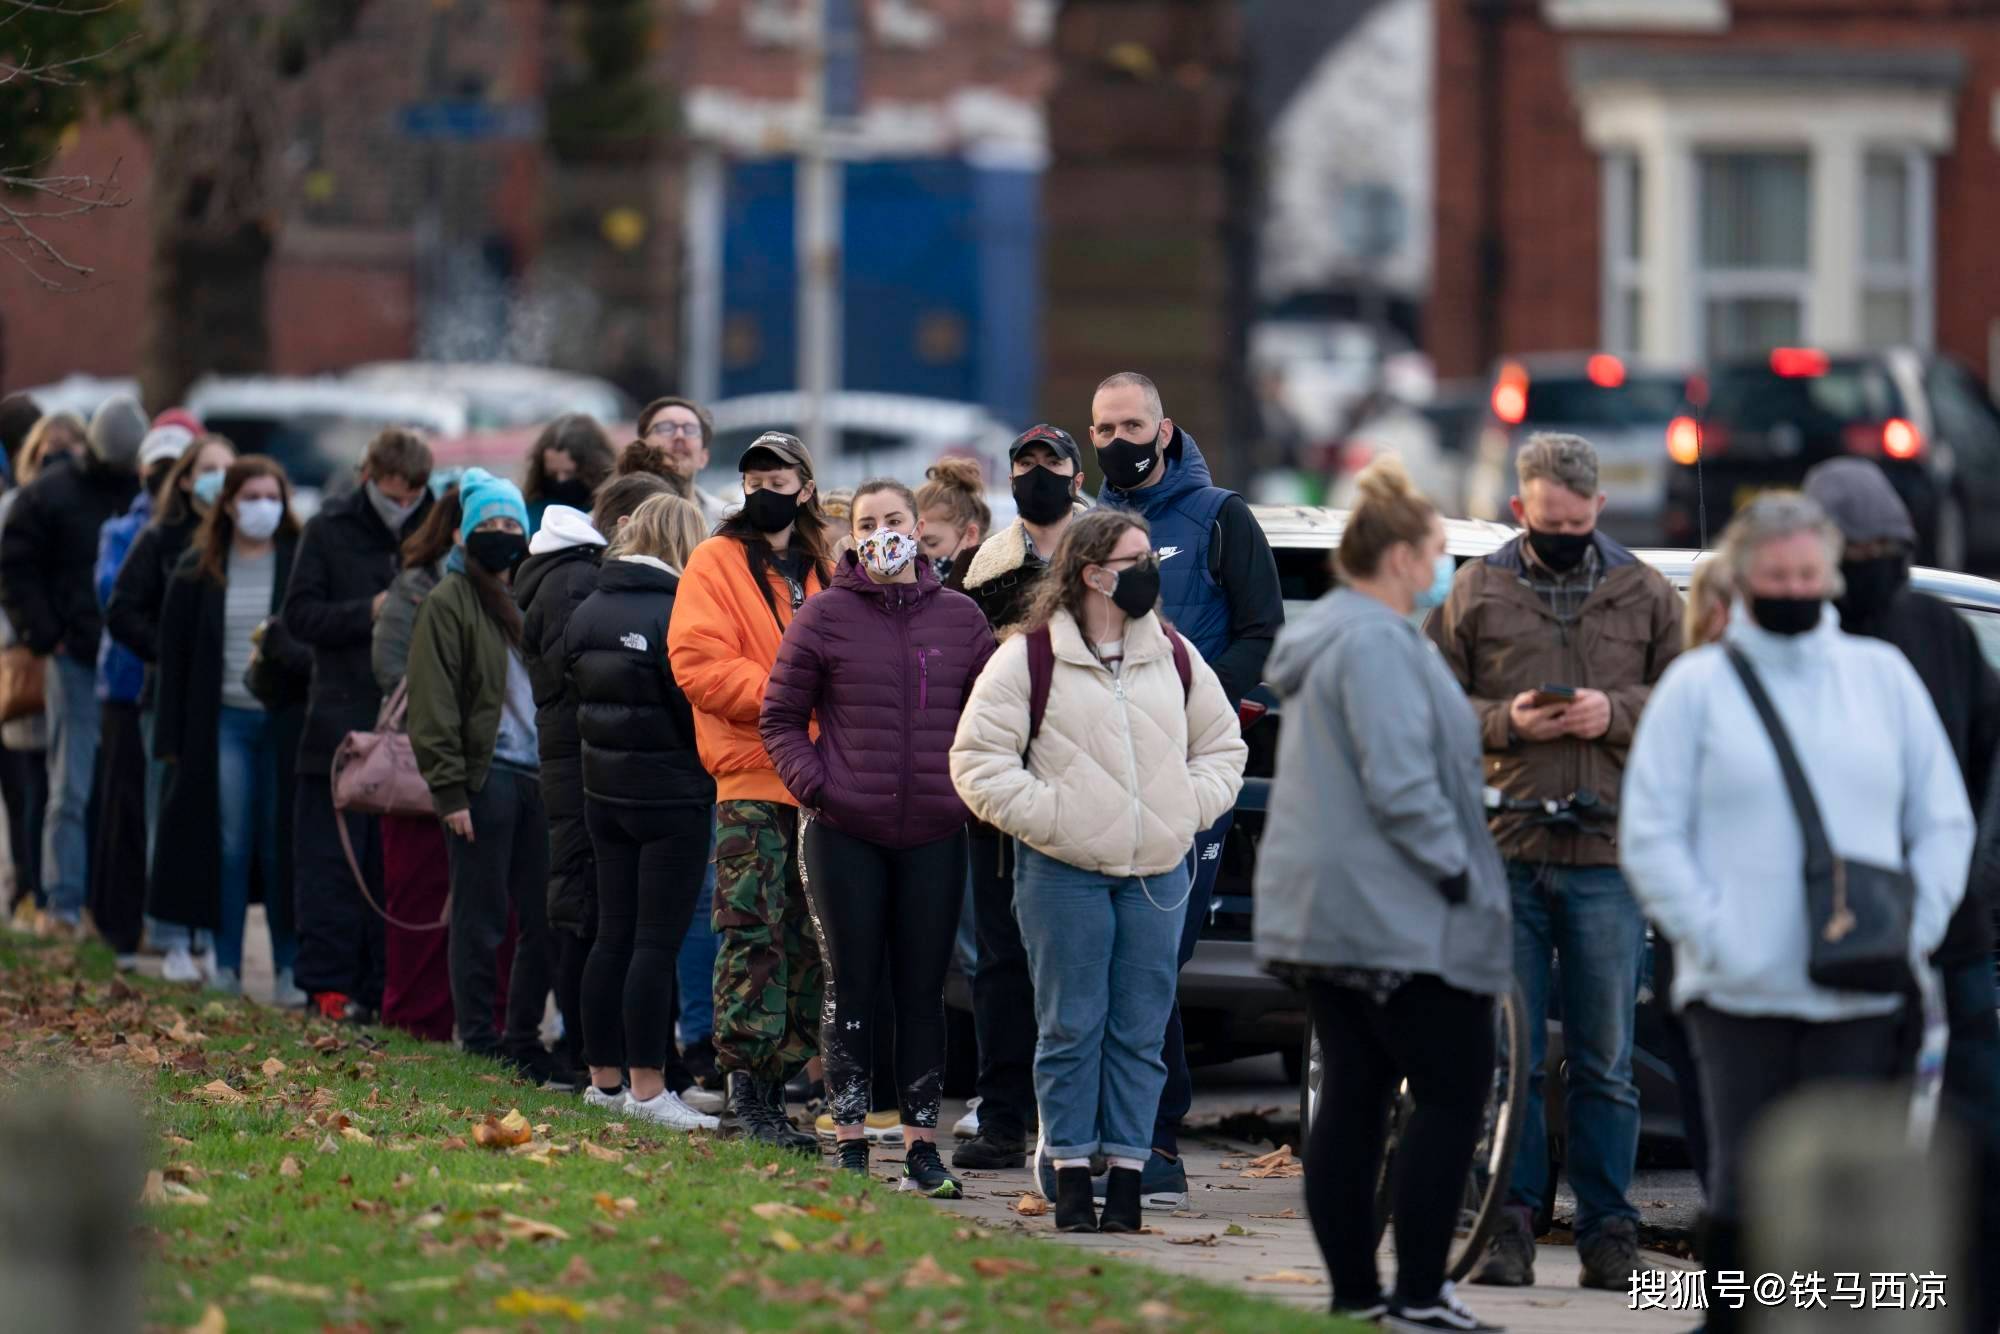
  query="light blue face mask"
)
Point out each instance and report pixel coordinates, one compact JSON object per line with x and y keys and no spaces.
{"x":207,"y":486}
{"x":1440,"y":588}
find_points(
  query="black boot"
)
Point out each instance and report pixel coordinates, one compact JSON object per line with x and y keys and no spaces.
{"x":746,"y":1111}
{"x":1076,"y":1211}
{"x":785,"y":1134}
{"x":1121,"y":1201}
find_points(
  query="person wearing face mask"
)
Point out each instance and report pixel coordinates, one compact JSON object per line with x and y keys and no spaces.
{"x":739,"y":592}
{"x":569,"y":460}
{"x":884,"y":661}
{"x":1219,"y":587}
{"x":1564,"y":605}
{"x":1381,"y":895}
{"x":1715,"y":845}
{"x":348,"y":556}
{"x":952,"y":503}
{"x":685,"y":431}
{"x":472,"y":730}
{"x":1000,"y":574}
{"x":1103,"y":743}
{"x":226,"y":806}
{"x":1879,"y":603}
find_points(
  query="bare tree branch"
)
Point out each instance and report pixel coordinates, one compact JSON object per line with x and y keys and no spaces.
{"x":54,"y":199}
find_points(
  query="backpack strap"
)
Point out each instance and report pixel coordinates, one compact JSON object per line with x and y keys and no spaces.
{"x":1041,"y":674}
{"x":1182,"y":664}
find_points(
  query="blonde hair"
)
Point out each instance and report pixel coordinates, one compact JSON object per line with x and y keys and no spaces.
{"x":1709,"y":592}
{"x":956,"y":485}
{"x":34,"y":450}
{"x":1391,"y":510}
{"x":665,"y":527}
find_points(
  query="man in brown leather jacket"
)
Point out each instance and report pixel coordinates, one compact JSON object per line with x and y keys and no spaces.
{"x":1564,"y":606}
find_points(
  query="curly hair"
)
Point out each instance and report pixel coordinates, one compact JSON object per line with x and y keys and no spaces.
{"x":578,"y":435}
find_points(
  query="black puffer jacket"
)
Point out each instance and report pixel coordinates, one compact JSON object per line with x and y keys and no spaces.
{"x":637,"y":726}
{"x":549,"y":589}
{"x":139,"y":595}
{"x":49,"y":554}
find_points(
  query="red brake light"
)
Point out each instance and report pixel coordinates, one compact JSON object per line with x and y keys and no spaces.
{"x":1510,"y":394}
{"x":1901,"y":440}
{"x":1803,"y":363}
{"x":1684,"y":441}
{"x":1605,"y":371}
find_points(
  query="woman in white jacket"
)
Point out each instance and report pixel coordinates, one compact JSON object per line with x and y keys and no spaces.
{"x":1135,"y":752}
{"x":1714,"y":851}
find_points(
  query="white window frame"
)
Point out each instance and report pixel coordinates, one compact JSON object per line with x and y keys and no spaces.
{"x":1747,"y":284}
{"x":1624,"y":272}
{"x":1913,"y":277}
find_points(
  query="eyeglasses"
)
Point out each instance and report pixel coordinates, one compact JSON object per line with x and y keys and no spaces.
{"x":669,"y":430}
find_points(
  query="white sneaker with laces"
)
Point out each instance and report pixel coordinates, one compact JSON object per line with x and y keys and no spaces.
{"x":179,"y":966}
{"x":705,"y":1101}
{"x":1447,"y":1313}
{"x":671,"y":1112}
{"x":967,"y":1126}
{"x":594,"y":1096}
{"x":285,"y":993}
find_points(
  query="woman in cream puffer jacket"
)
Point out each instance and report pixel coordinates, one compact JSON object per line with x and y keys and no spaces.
{"x":1134,"y":756}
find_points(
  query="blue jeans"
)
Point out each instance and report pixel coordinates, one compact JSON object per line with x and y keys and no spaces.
{"x":1587,"y":917}
{"x":71,"y":691}
{"x":1101,"y":952}
{"x":1204,"y":863}
{"x":247,"y":793}
{"x":695,"y":964}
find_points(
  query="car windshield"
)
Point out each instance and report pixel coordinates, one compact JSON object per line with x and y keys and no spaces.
{"x":1642,"y":400}
{"x":1757,"y":398}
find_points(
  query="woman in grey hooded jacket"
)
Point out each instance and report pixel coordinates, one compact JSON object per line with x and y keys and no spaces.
{"x":1381,"y":895}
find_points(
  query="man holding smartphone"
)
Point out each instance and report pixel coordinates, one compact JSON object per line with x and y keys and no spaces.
{"x":1558,"y":638}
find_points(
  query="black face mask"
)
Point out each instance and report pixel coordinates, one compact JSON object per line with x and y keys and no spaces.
{"x":1138,"y":588}
{"x":1042,"y":496}
{"x":1129,"y":464}
{"x":571,"y":491}
{"x":1561,"y":552}
{"x":1786,"y":616}
{"x":496,"y":552}
{"x":771,"y":511}
{"x":1871,"y":585}
{"x":943,"y":564}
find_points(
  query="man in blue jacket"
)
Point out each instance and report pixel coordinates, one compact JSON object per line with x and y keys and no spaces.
{"x":1219,"y":587}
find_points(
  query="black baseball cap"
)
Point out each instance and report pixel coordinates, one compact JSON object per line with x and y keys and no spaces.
{"x":776,"y":449}
{"x":1051,"y":437}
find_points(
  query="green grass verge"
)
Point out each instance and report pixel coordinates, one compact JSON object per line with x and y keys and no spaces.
{"x":312,"y":1177}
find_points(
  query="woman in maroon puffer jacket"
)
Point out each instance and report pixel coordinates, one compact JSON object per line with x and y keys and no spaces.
{"x":884,"y":660}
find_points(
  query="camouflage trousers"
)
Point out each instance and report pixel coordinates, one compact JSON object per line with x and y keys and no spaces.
{"x":768,"y":978}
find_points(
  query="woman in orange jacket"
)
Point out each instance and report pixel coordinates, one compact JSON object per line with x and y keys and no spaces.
{"x":737,"y":595}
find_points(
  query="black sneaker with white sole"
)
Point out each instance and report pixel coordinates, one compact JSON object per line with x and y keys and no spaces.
{"x":924,"y":1172}
{"x":1367,"y":1310}
{"x":1443,"y":1312}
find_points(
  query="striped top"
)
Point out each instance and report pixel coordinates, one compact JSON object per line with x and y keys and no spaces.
{"x":246,"y":603}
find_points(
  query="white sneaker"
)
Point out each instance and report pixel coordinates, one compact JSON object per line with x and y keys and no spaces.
{"x":594,"y":1096}
{"x":179,"y":966}
{"x":967,"y":1126}
{"x":226,"y":982}
{"x":705,"y":1101}
{"x":205,"y":961}
{"x":670,"y":1111}
{"x":285,"y":993}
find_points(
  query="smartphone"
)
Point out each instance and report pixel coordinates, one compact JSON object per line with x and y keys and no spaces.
{"x":1545,"y":696}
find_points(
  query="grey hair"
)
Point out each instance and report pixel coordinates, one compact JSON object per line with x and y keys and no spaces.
{"x":1568,"y":460}
{"x":1772,"y":517}
{"x":1145,"y":386}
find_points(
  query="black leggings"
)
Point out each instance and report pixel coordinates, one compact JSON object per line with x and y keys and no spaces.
{"x":880,"y":906}
{"x":651,"y":861}
{"x":1441,"y":1040}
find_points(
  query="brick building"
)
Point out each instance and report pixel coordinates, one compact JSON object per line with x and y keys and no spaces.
{"x":1685,"y":179}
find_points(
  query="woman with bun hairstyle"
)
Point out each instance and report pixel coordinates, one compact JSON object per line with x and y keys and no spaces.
{"x":228,"y":801}
{"x":1136,"y":751}
{"x":567,"y":463}
{"x":1380,"y":894}
{"x":956,"y":517}
{"x":884,"y":661}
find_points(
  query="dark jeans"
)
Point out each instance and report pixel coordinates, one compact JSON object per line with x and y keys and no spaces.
{"x":1204,"y":862}
{"x":1003,"y":994}
{"x":341,"y":944}
{"x":880,"y":906}
{"x":1440,"y":1039}
{"x":118,"y":843}
{"x":651,"y":861}
{"x":24,"y":780}
{"x":1972,"y":1093}
{"x":505,"y":862}
{"x":1585,"y":917}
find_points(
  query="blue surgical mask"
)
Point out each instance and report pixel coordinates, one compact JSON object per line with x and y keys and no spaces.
{"x":207,"y":486}
{"x":1440,"y":588}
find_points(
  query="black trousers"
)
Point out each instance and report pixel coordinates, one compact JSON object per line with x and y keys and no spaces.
{"x":651,"y":863}
{"x":1003,"y":993}
{"x":24,"y":784}
{"x":572,"y":902}
{"x":505,"y":863}
{"x":341,"y":942}
{"x":884,"y":911}
{"x":1440,"y":1039}
{"x":118,"y":841}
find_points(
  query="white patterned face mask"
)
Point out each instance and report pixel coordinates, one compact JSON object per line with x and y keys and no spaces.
{"x":886,"y":552}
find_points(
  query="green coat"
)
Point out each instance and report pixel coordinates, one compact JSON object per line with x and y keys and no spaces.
{"x":458,"y":683}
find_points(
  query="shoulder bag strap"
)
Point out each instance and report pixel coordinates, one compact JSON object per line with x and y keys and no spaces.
{"x":1819,"y":852}
{"x":1041,"y":675}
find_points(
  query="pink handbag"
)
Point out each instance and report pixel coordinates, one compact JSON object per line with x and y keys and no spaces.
{"x":375,"y":773}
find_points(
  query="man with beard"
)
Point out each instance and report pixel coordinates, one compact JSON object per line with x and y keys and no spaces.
{"x":683,"y":428}
{"x":1563,"y":605}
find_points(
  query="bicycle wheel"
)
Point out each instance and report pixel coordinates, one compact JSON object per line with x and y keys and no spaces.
{"x":1493,"y":1155}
